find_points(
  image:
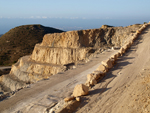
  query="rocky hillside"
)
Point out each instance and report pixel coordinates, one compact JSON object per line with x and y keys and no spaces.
{"x":20,"y":41}
{"x":59,"y":51}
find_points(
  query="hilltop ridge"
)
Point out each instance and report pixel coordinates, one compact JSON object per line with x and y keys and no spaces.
{"x":20,"y":41}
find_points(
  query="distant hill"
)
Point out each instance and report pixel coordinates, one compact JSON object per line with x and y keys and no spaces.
{"x":20,"y":41}
{"x":1,"y":35}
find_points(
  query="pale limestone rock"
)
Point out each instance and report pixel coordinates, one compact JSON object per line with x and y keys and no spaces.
{"x":107,"y":63}
{"x":99,"y":75}
{"x":113,"y":57}
{"x":78,"y":99}
{"x":112,"y":60}
{"x":93,"y":82}
{"x":59,"y":56}
{"x":74,"y":67}
{"x":80,"y":90}
{"x":93,"y":78}
{"x":135,"y":36}
{"x":131,"y":42}
{"x":96,"y":75}
{"x":138,"y":32}
{"x":102,"y":68}
{"x":21,"y":62}
{"x":89,"y":77}
{"x":77,"y":39}
{"x":69,"y":98}
{"x":87,"y":83}
{"x":122,"y":50}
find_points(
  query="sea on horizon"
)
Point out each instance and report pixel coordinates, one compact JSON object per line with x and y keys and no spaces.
{"x":66,"y":24}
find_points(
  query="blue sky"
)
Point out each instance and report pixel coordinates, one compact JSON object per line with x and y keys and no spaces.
{"x":74,"y":9}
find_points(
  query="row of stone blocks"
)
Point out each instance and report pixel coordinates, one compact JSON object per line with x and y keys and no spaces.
{"x":99,"y":73}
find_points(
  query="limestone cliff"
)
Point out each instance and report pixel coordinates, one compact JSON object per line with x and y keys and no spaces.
{"x":61,"y":49}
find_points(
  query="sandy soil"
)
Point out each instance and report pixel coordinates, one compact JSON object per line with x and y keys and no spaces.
{"x":124,"y":89}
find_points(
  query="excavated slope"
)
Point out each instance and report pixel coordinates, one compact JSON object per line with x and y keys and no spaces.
{"x":58,"y":51}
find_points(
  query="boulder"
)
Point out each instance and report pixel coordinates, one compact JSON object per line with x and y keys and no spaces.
{"x":99,"y":75}
{"x":131,"y":42}
{"x":122,"y":51}
{"x":112,"y":60}
{"x":93,"y":78}
{"x":93,"y":82}
{"x":115,"y":56}
{"x":78,"y":99}
{"x":135,"y":36}
{"x":89,"y":79}
{"x":80,"y":90}
{"x":138,"y":32}
{"x":102,"y":68}
{"x":107,"y":63}
{"x":128,"y":45}
{"x":69,"y":98}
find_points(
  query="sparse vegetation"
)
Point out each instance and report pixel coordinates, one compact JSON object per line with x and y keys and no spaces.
{"x":20,"y":41}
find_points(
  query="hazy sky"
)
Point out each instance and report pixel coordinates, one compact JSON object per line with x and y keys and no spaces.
{"x":109,"y":9}
{"x":72,"y":14}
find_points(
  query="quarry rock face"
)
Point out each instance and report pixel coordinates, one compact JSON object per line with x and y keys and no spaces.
{"x":59,"y":56}
{"x":60,"y":49}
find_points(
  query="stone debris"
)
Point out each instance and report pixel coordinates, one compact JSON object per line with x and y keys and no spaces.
{"x":80,"y":90}
{"x":93,"y":78}
{"x":102,"y":68}
{"x":112,"y":61}
{"x":122,"y":50}
{"x":78,"y":99}
{"x":69,"y":98}
{"x":93,"y":82}
{"x":107,"y":63}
